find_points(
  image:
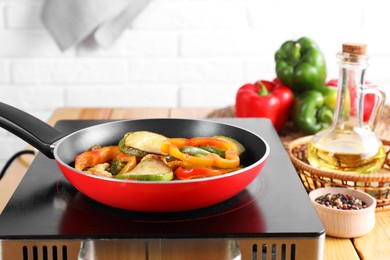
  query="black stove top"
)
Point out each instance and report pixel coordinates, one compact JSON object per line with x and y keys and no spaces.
{"x":46,"y":206}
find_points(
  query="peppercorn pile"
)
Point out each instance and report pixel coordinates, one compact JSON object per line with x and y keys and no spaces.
{"x":341,"y":201}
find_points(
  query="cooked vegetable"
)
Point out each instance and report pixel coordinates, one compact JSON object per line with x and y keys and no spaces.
{"x":103,"y":155}
{"x":94,"y":147}
{"x":240,"y":147}
{"x":116,"y":166}
{"x":129,"y":166}
{"x":195,"y":151}
{"x":213,"y":149}
{"x":141,"y":143}
{"x":130,"y":150}
{"x":150,"y":168}
{"x":171,"y":146}
{"x":192,"y":173}
{"x":100,"y":170}
{"x":159,"y":157}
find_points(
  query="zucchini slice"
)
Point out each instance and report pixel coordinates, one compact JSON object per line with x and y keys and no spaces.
{"x":150,"y":168}
{"x":141,"y":143}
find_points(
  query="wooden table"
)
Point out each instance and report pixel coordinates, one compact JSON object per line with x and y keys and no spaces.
{"x":375,"y":245}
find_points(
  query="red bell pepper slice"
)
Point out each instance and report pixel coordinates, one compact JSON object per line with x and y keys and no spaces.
{"x":193,"y":173}
{"x":265,"y":99}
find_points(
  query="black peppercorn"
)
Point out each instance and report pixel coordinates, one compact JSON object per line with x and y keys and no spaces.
{"x":341,"y":201}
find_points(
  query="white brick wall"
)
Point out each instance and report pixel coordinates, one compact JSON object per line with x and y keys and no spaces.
{"x":175,"y":52}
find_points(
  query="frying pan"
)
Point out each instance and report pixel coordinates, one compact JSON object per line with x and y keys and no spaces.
{"x":148,"y":196}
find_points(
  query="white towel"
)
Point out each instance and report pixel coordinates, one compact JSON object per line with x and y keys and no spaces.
{"x":72,"y":21}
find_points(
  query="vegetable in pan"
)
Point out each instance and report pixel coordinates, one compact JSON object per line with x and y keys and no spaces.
{"x":141,"y":143}
{"x":151,"y":168}
{"x":91,"y":159}
{"x":171,"y":146}
{"x":148,"y":156}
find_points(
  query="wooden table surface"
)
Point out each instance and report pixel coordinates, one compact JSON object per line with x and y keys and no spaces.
{"x":375,"y":245}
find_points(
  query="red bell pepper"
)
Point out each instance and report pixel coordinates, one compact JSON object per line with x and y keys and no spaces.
{"x":193,"y":173}
{"x":369,"y":100}
{"x":265,"y":99}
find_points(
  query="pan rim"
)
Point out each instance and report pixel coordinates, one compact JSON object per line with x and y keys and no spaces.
{"x":57,"y":144}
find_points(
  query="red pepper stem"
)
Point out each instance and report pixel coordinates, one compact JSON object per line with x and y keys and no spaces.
{"x":263,"y":91}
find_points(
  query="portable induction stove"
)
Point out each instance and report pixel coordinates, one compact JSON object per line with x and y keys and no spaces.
{"x":47,"y":218}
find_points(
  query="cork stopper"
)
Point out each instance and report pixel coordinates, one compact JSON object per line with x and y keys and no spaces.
{"x":355,"y":48}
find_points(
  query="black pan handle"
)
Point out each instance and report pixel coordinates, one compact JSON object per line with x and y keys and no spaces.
{"x":29,"y":128}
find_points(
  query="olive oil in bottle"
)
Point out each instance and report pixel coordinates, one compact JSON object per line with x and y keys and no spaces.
{"x":346,"y":155}
{"x":350,"y":143}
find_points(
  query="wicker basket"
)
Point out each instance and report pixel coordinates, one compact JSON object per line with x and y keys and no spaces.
{"x":376,"y":184}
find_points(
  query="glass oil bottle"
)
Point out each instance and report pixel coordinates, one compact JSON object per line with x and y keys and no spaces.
{"x":350,"y":143}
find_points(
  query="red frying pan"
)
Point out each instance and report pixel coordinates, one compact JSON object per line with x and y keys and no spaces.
{"x":149,"y":196}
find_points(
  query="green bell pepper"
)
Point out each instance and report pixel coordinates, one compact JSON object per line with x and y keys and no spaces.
{"x":310,"y":113}
{"x":300,"y":65}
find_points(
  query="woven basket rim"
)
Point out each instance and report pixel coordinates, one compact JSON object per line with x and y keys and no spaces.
{"x":345,"y":176}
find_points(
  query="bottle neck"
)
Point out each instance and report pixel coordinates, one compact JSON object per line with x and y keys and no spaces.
{"x":349,"y":107}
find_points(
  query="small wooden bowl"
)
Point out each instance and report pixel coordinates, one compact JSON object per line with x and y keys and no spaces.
{"x":345,"y":223}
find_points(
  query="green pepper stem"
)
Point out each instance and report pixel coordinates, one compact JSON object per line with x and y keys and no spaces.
{"x":295,"y":54}
{"x":263,"y":91}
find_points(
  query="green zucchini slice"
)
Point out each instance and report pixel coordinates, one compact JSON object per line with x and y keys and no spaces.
{"x":141,"y":143}
{"x":150,"y":168}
